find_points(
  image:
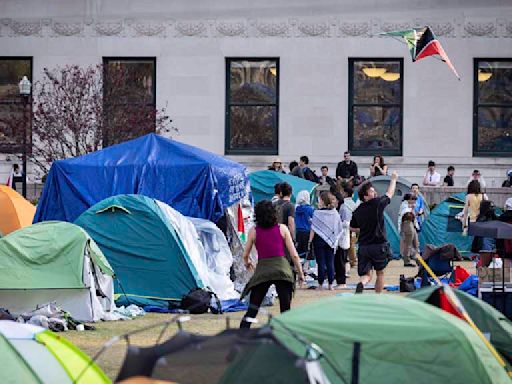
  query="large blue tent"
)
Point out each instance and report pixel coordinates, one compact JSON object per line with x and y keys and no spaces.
{"x":195,"y":182}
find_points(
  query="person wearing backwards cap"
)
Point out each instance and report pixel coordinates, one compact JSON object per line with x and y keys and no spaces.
{"x":508,"y":182}
{"x":277,"y":165}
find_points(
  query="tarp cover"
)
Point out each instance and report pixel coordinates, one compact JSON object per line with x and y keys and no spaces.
{"x":195,"y":182}
{"x":263,"y":182}
{"x":47,"y":255}
{"x":401,"y":340}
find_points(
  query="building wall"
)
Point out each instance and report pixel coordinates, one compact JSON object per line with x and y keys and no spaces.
{"x":313,"y":41}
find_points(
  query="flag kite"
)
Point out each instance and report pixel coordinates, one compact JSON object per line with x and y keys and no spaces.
{"x":422,"y":43}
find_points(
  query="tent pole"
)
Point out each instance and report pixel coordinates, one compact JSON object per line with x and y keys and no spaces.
{"x":455,"y":302}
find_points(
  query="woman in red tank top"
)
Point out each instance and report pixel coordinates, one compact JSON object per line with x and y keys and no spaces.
{"x":270,"y":239}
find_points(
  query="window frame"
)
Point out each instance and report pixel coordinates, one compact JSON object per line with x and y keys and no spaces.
{"x":21,"y":102}
{"x":476,"y":151}
{"x":107,"y":59}
{"x":227,"y":115}
{"x":351,"y":105}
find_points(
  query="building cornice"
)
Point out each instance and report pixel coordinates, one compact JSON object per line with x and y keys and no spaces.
{"x":330,"y":27}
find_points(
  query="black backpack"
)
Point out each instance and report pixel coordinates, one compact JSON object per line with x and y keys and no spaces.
{"x":310,"y":175}
{"x":407,"y":284}
{"x":198,"y":301}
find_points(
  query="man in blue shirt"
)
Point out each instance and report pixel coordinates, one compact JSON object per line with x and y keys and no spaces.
{"x":419,"y":209}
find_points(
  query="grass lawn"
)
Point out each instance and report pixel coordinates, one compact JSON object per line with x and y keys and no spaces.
{"x":207,"y":324}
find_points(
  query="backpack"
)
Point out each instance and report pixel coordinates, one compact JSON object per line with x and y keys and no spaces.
{"x":198,"y":301}
{"x":310,"y":175}
{"x":407,"y":284}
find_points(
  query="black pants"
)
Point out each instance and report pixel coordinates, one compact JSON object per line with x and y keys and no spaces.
{"x":340,"y":258}
{"x":284,"y":292}
{"x":302,"y":243}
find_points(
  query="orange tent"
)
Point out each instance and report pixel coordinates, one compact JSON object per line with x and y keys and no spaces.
{"x":15,"y":211}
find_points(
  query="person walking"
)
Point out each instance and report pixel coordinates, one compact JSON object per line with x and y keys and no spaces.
{"x":326,"y":228}
{"x":303,"y":216}
{"x":271,"y":239}
{"x":368,"y":220}
{"x":409,"y":244}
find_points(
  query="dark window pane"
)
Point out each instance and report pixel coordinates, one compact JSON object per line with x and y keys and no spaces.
{"x":494,"y":81}
{"x":11,"y":72}
{"x":130,"y":81}
{"x":253,"y":82}
{"x":141,"y":120}
{"x":253,"y":128}
{"x":495,"y":129}
{"x":11,"y":127}
{"x":377,"y":82}
{"x":376,"y":128}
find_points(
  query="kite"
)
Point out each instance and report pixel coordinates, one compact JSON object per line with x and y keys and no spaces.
{"x":422,"y":43}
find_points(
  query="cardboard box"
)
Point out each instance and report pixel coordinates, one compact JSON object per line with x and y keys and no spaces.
{"x":485,"y":274}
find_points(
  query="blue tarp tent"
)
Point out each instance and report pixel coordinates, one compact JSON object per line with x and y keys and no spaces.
{"x":263,"y":182}
{"x":148,"y":257}
{"x":195,"y":182}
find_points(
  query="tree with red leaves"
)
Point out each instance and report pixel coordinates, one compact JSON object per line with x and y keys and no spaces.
{"x":78,"y":110}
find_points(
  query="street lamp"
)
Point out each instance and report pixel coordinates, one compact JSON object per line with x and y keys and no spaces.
{"x":25,"y":87}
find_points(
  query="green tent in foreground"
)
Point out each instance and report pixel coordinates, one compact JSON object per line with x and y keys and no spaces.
{"x":262,"y":184}
{"x":31,"y":354}
{"x":390,"y":339}
{"x":486,"y":318}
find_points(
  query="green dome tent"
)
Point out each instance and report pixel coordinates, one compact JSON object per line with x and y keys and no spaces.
{"x":155,"y":251}
{"x":55,"y":261}
{"x":486,"y":318}
{"x":263,"y":182}
{"x":34,"y":355}
{"x":391,"y":339}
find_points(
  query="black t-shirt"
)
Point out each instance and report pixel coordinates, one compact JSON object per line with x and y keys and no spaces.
{"x":284,"y":209}
{"x":448,"y":180}
{"x":345,"y":170}
{"x":369,"y":218}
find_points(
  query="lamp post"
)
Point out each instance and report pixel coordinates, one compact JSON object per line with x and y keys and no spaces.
{"x":25,"y":87}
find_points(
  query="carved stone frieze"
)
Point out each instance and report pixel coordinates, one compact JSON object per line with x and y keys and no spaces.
{"x":355,"y":29}
{"x":110,"y":28}
{"x":26,"y":28}
{"x":92,"y":25}
{"x":67,"y":29}
{"x":272,"y":28}
{"x":191,"y":29}
{"x":314,"y":29}
{"x":148,"y":28}
{"x":231,"y":29}
{"x":508,"y":29}
{"x":389,"y":27}
{"x":443,"y":29}
{"x":485,"y":29}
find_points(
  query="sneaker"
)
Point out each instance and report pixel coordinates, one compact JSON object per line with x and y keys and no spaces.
{"x":409,"y":265}
{"x":359,"y":287}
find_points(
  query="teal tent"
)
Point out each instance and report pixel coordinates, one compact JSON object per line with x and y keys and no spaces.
{"x":151,"y":263}
{"x":441,"y":226}
{"x":392,"y":235}
{"x":491,"y":322}
{"x":263,"y":182}
{"x":389,"y":339}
